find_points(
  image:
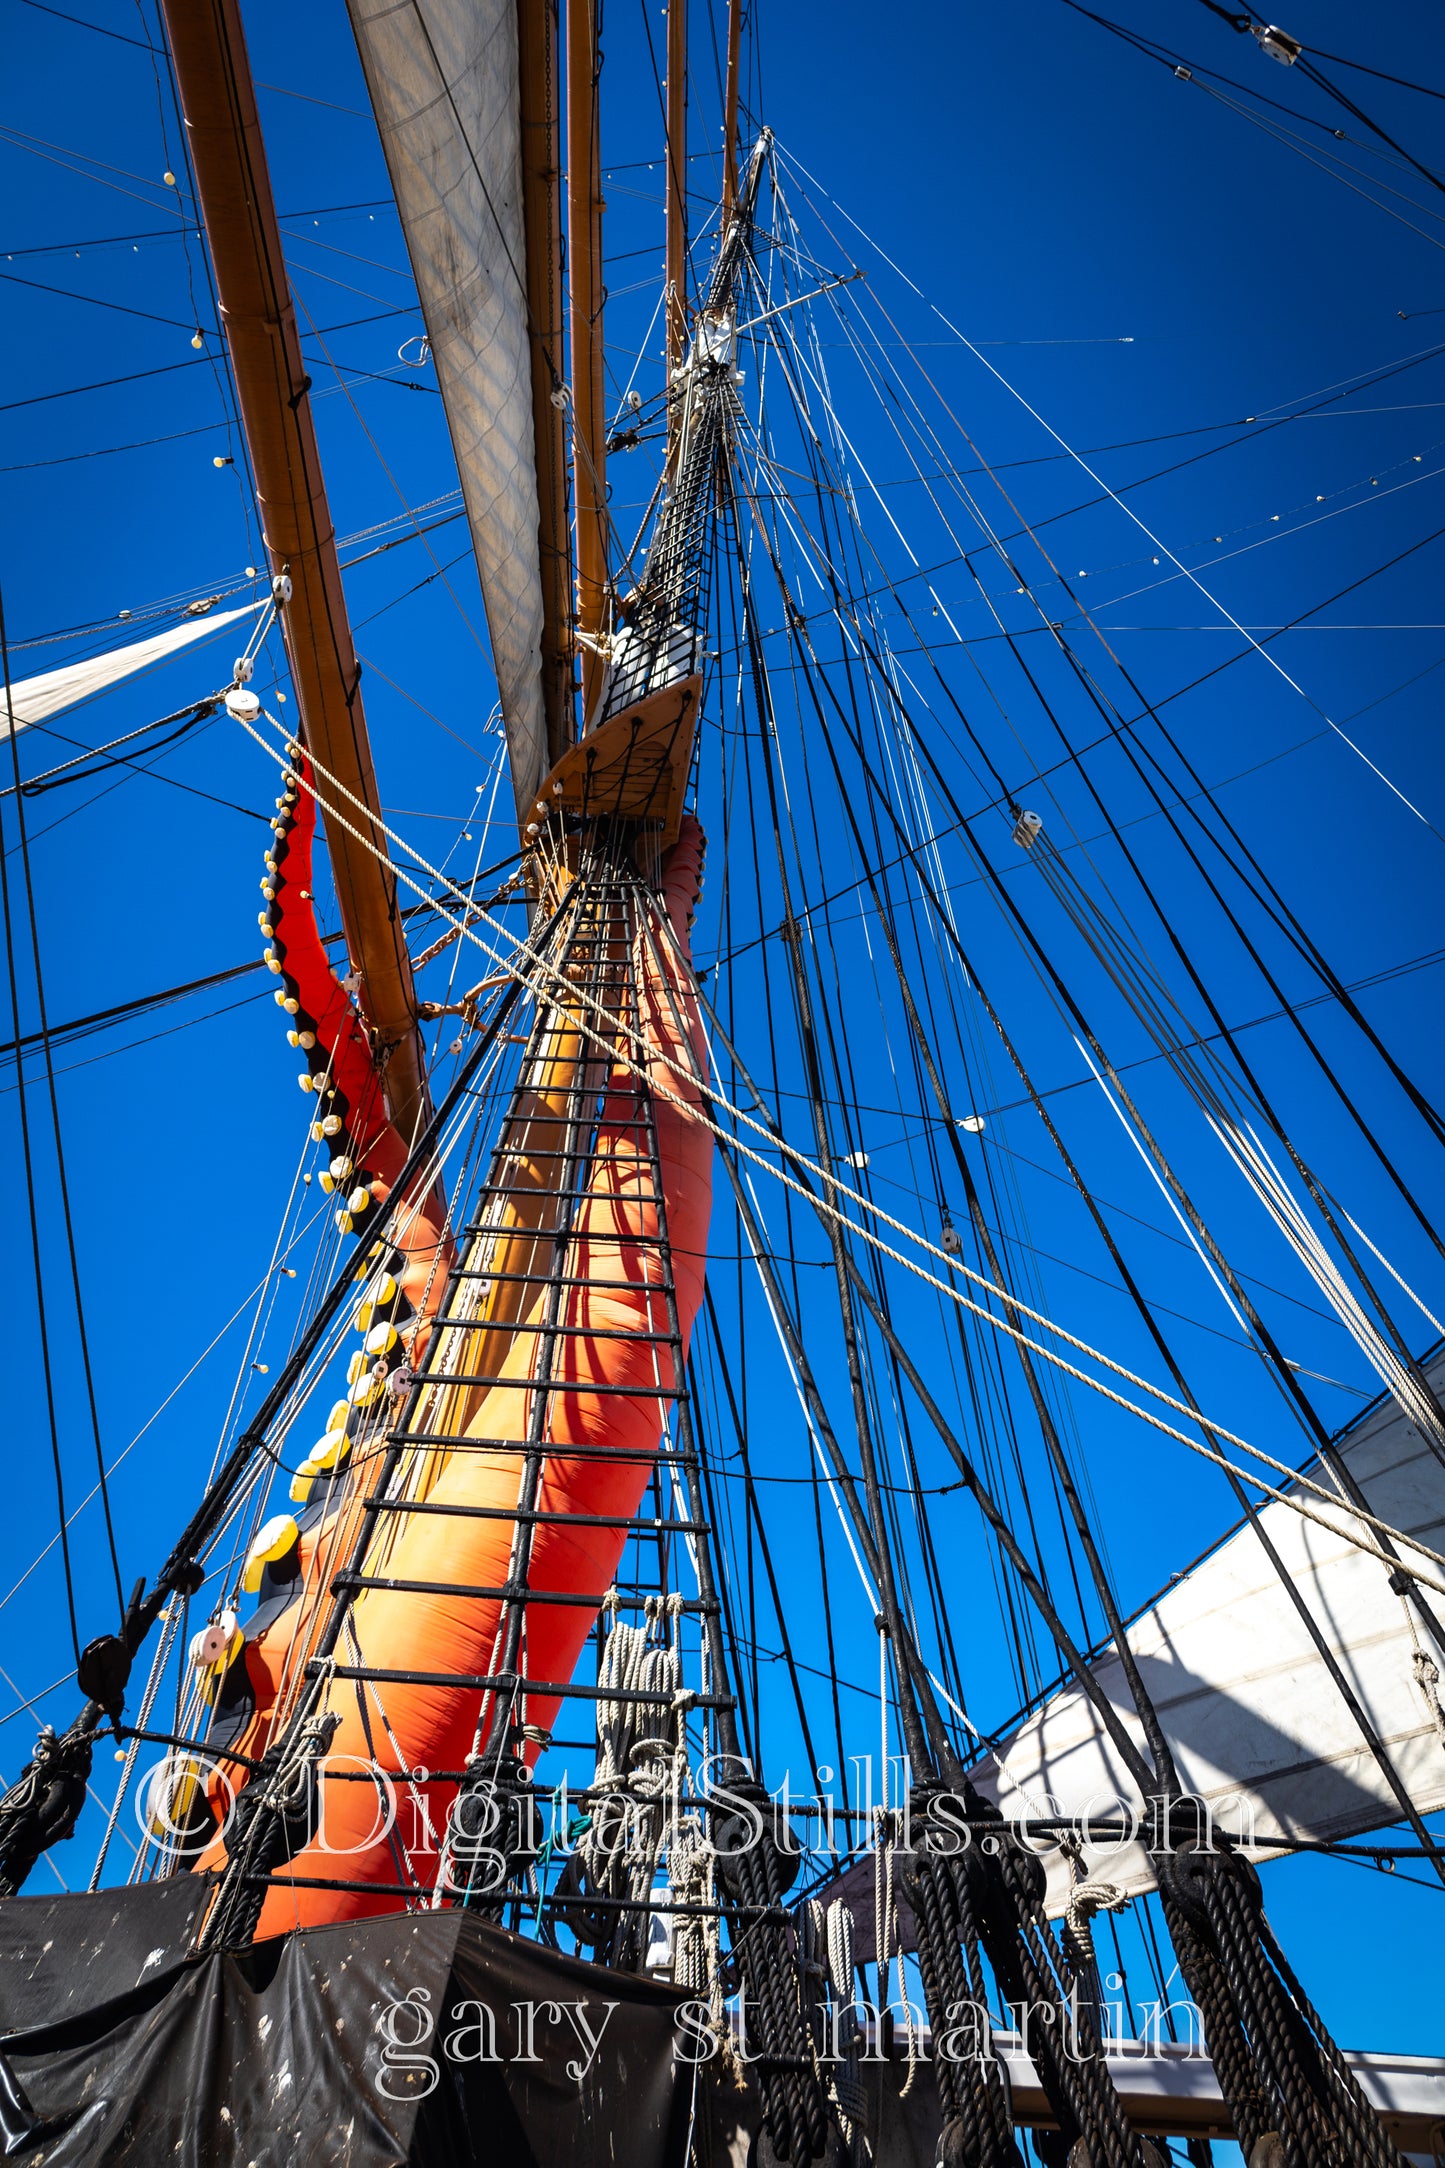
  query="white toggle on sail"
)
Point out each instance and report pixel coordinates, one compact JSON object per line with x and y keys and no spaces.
{"x":36,"y":699}
{"x":1259,"y":1729}
{"x":443,"y":81}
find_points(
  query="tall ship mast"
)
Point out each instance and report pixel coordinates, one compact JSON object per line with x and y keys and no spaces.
{"x":556,"y":1718}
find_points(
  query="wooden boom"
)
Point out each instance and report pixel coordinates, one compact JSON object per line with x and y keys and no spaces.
{"x":234,"y":186}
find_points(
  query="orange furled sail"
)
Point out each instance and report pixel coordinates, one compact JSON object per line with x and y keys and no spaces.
{"x":610,"y":1383}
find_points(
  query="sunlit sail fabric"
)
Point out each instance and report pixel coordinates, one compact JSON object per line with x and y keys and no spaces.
{"x":36,"y":699}
{"x":1258,"y":1728}
{"x":443,"y":81}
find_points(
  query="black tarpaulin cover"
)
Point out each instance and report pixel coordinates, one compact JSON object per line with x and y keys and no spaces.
{"x":430,"y":2039}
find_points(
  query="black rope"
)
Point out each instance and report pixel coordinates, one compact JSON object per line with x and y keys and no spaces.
{"x":1120,"y":1639}
{"x":1163,"y":1773}
{"x":754,"y":1510}
{"x":36,"y":1263}
{"x":62,"y":1179}
{"x":1287,"y":1378}
{"x":1338,"y":60}
{"x":1317,"y":76}
{"x":55,"y":778}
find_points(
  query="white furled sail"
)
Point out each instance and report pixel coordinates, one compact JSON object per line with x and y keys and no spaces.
{"x":443,"y":78}
{"x":36,"y":699}
{"x":1259,"y":1729}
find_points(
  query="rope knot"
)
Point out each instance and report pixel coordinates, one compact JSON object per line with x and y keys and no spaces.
{"x":1087,"y":1898}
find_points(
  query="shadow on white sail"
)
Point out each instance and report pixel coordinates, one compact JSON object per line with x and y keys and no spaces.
{"x":1259,"y":1729}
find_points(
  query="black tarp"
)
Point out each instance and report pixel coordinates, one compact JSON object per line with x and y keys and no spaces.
{"x":429,"y":2039}
{"x":54,"y":1950}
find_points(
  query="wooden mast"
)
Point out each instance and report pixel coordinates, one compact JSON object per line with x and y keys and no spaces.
{"x":223,"y":130}
{"x":730,"y":108}
{"x":584,"y":273}
{"x":676,"y":195}
{"x":541,"y":118}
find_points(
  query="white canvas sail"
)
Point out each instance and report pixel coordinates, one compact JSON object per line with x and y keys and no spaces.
{"x":1257,"y":1726}
{"x":444,"y":87}
{"x":36,"y":699}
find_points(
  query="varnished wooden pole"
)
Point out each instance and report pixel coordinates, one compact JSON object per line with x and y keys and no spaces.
{"x":584,"y":278}
{"x":223,"y":130}
{"x":541,"y":117}
{"x":676,"y":184}
{"x":730,"y":107}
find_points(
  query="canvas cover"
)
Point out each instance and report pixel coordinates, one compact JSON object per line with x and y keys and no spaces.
{"x":328,"y":2047}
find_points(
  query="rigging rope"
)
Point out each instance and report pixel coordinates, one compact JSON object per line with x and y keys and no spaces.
{"x":1114,"y":497}
{"x":62,"y":1180}
{"x":538,"y":965}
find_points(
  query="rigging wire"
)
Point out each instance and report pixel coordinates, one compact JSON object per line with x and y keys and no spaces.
{"x":834,"y":1183}
{"x":1336,"y":168}
{"x":1274,"y":987}
{"x":1170,"y":932}
{"x":791,"y":614}
{"x":45,"y":1357}
{"x":82,"y":1027}
{"x":1190,"y":71}
{"x":795,"y":627}
{"x":809,"y":909}
{"x":47,"y":1363}
{"x":440,"y":570}
{"x":1313,"y":74}
{"x":1276,"y":905}
{"x":196,"y":361}
{"x":165,"y":233}
{"x":1116,"y":498}
{"x":1337,"y":60}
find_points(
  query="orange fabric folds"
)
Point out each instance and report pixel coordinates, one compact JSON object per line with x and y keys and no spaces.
{"x":614,"y":1401}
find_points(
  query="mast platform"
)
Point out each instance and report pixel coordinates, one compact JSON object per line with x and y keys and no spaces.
{"x":632,"y":767}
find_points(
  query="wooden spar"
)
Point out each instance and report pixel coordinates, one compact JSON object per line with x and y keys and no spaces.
{"x":676,"y":195}
{"x":541,"y":120}
{"x":224,"y":134}
{"x":584,"y":277}
{"x":730,"y":108}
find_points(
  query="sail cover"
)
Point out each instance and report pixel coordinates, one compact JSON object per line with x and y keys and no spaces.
{"x":1258,"y":1728}
{"x":431,"y":2040}
{"x":444,"y":87}
{"x":36,"y":699}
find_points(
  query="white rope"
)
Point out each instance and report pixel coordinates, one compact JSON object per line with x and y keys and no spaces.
{"x":826,"y":1941}
{"x":697,"y":1936}
{"x":1430,"y":1318}
{"x":1217,"y":1095}
{"x":1255,"y":1164}
{"x":1085,"y":1899}
{"x":639,"y":1748}
{"x":1128,"y":511}
{"x":834,"y":1182}
{"x":1426,"y":1670}
{"x":1427,"y":1678}
{"x":1253,"y":1160}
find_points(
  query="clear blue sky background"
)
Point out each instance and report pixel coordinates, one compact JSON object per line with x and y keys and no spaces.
{"x":1134,"y":255}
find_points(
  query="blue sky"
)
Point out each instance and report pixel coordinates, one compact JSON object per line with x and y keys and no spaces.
{"x":1135,"y":257}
